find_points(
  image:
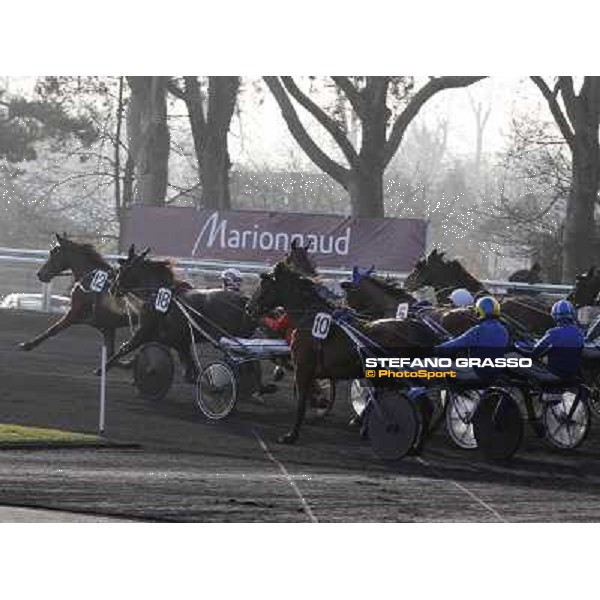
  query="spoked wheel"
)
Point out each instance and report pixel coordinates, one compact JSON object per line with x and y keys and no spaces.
{"x":567,"y":420}
{"x":498,"y":425}
{"x":359,"y":394}
{"x":393,"y":424}
{"x":324,"y":391}
{"x":153,"y":371}
{"x":216,"y":390}
{"x":459,"y":417}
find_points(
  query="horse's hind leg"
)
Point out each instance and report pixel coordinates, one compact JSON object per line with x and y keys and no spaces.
{"x":189,"y":364}
{"x":60,"y":325}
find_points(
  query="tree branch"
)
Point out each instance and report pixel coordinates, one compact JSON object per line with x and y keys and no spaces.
{"x":324,"y":119}
{"x":298,"y":131}
{"x":432,"y":87}
{"x":175,"y":89}
{"x":354,"y":96}
{"x":555,"y":109}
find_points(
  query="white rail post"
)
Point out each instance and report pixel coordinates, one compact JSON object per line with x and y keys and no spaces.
{"x":102,"y":415}
{"x":46,"y":296}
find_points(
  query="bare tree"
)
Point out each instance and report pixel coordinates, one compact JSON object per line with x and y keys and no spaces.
{"x":381,"y":131}
{"x":577,"y":116}
{"x":149,"y":140}
{"x":210,"y":119}
{"x":481,"y":114}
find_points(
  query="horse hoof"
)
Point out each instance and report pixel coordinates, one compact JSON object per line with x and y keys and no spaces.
{"x":26,"y":346}
{"x":288,"y":438}
{"x":98,"y":371}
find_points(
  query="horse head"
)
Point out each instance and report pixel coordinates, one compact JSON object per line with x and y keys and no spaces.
{"x":133,"y":272}
{"x":299,"y":259}
{"x":68,"y":255}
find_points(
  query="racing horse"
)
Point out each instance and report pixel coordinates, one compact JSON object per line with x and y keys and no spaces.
{"x":216,"y":310}
{"x":533,"y":275}
{"x":586,"y":289}
{"x":525,"y":313}
{"x":100,"y":310}
{"x":335,"y":357}
{"x":376,"y":297}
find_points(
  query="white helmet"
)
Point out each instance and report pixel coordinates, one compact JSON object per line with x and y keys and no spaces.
{"x":462,"y":298}
{"x":232,"y":279}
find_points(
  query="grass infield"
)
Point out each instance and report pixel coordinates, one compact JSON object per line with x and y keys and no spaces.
{"x":19,"y":435}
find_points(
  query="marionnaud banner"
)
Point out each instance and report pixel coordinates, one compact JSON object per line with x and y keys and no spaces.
{"x":262,"y":236}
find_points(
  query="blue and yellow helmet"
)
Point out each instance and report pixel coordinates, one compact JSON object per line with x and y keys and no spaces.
{"x":487,"y":307}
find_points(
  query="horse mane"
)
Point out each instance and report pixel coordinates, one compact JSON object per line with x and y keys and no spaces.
{"x":161,"y":267}
{"x":90,"y":252}
{"x":459,"y":269}
{"x":308,"y":283}
{"x":387,"y":284}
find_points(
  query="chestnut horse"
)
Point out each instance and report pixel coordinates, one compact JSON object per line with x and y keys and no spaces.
{"x":100,"y":310}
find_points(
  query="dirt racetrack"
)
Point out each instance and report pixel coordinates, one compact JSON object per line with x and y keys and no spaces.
{"x":186,"y":468}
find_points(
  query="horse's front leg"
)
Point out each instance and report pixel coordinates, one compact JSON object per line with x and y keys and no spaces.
{"x":63,"y":323}
{"x":303,"y":381}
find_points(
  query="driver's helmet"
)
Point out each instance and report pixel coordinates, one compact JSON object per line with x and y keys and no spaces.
{"x":487,"y":307}
{"x":462,"y":298}
{"x":563,"y":311}
{"x":232,"y":279}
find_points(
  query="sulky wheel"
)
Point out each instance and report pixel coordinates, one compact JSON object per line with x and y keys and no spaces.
{"x":567,"y":419}
{"x":459,"y":417}
{"x":359,"y":394}
{"x":153,"y":371}
{"x":216,"y":390}
{"x":498,"y":425}
{"x":393,"y":424}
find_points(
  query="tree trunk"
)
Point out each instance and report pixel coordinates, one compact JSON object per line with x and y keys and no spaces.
{"x":209,"y":132}
{"x":365,"y":185}
{"x":579,"y":230}
{"x":365,"y":189}
{"x":149,"y":141}
{"x":214,"y":173}
{"x":214,"y":159}
{"x":127,"y":198}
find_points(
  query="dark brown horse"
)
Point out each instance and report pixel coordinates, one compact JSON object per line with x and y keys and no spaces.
{"x":443,"y":275}
{"x":100,"y":310}
{"x":299,"y":259}
{"x":533,"y":275}
{"x":527,"y":313}
{"x":220,"y":310}
{"x":375,"y":297}
{"x":586,"y":290}
{"x":332,"y":358}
